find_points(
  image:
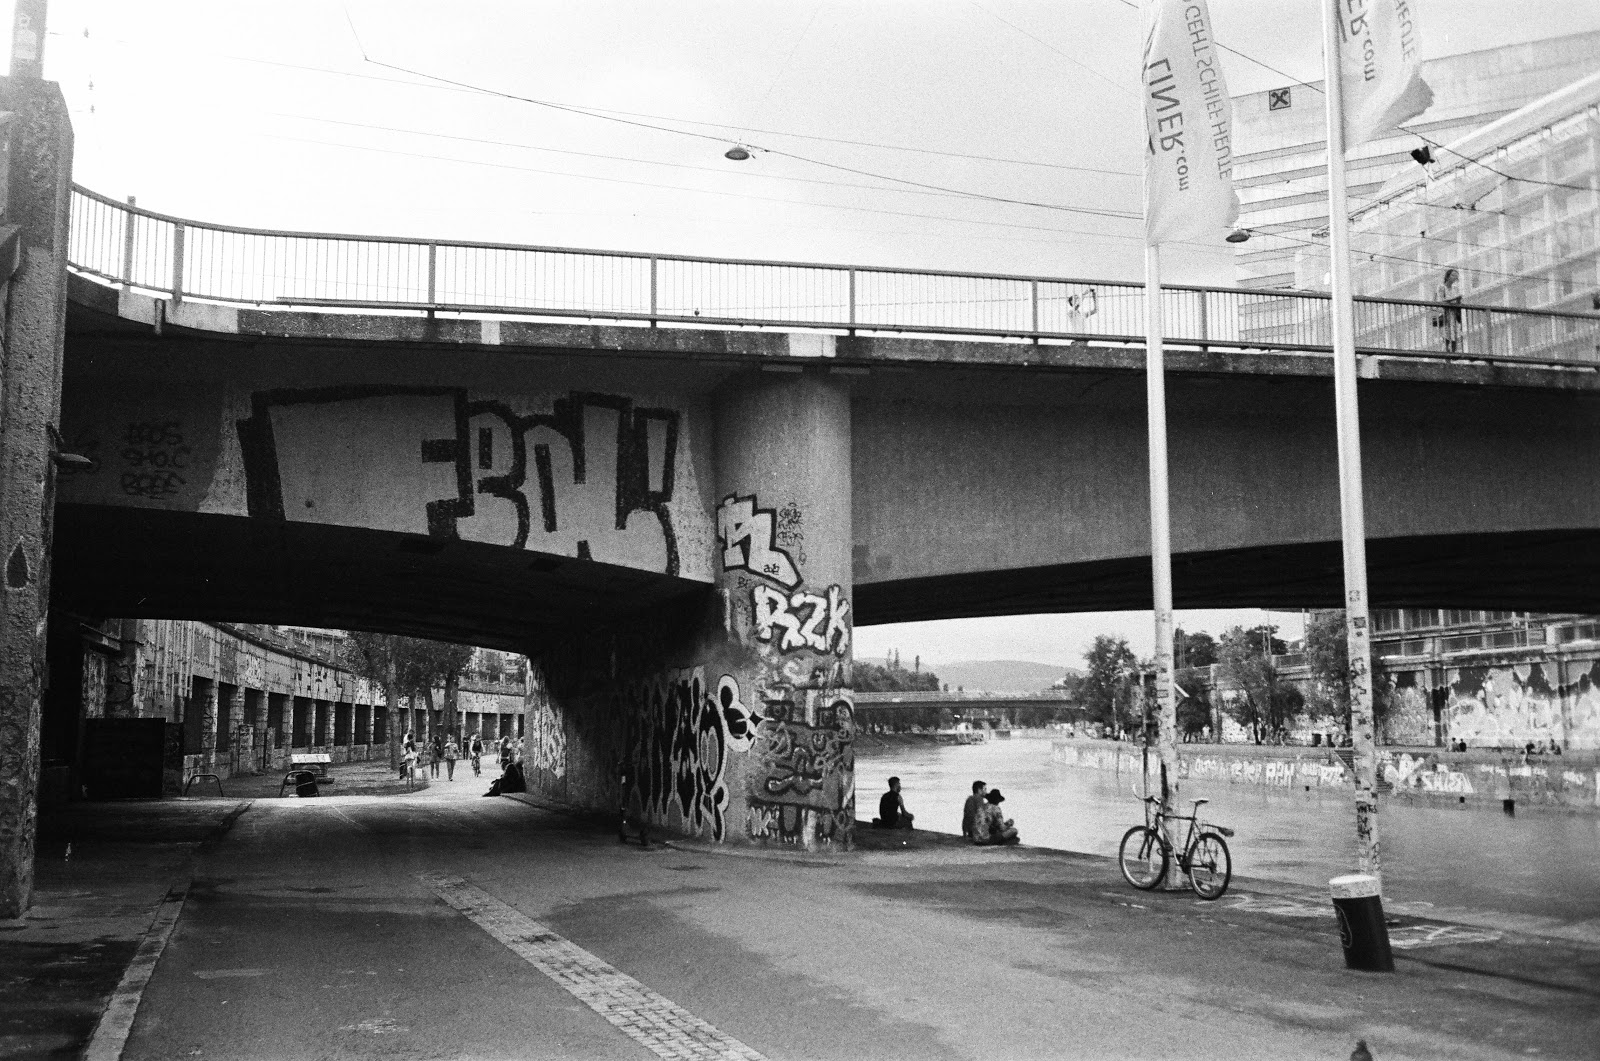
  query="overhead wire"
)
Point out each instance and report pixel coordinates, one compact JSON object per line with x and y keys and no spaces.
{"x":875,"y":144}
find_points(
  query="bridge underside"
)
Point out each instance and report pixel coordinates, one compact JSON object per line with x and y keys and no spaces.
{"x":154,"y":564}
{"x":121,"y":561}
{"x":1541,"y":571}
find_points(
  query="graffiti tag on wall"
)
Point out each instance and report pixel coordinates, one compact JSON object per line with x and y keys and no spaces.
{"x":802,"y":620}
{"x":684,"y":734}
{"x":592,"y":477}
{"x":749,"y":539}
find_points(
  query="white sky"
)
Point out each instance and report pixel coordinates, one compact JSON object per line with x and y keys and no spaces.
{"x":267,"y":114}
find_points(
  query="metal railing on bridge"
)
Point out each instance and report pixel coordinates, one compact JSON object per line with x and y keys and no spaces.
{"x":180,"y":259}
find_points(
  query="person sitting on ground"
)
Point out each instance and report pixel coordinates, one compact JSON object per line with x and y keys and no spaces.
{"x":892,"y":813}
{"x":990,"y":826}
{"x":973,"y":805}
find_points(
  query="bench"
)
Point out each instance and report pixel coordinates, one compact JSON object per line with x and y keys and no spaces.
{"x":316,"y":762}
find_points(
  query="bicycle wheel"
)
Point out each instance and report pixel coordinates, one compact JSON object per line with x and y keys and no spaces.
{"x":1143,"y":857}
{"x":1210,"y":866}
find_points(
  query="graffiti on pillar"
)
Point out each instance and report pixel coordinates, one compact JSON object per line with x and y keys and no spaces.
{"x":800,"y":763}
{"x":684,"y":733}
{"x":591,"y":477}
{"x":801,"y":620}
{"x":749,"y":537}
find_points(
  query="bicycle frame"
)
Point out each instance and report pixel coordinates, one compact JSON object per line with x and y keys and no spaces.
{"x":1155,"y":818}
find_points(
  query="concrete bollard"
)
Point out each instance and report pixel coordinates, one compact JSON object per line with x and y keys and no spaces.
{"x":1362,"y":931}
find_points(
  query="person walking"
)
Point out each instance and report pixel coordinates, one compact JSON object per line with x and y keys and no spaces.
{"x":435,"y":753}
{"x":408,"y":757}
{"x":475,"y":749}
{"x":452,"y":752}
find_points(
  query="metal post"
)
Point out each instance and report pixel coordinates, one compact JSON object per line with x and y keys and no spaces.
{"x":1205,"y":324}
{"x":852,"y":301}
{"x":129,"y":224}
{"x":1347,"y":417}
{"x":433,"y":276}
{"x":178,"y":232}
{"x":1033,"y":297}
{"x":1161,"y":546}
{"x":654,"y":280}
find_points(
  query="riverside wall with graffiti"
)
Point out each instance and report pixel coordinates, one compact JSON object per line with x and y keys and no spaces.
{"x":1474,"y":777}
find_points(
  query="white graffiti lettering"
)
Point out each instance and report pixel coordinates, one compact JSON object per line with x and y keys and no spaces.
{"x":806,"y":619}
{"x":747,"y":535}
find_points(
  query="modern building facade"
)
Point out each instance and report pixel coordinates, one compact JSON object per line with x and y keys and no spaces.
{"x":1281,"y":150}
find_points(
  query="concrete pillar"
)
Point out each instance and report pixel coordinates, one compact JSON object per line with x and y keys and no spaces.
{"x":785,"y":567}
{"x":33,"y":237}
{"x":202,"y":722}
{"x":230,"y":717}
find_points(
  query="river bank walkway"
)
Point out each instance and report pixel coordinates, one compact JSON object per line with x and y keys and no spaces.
{"x":446,"y":925}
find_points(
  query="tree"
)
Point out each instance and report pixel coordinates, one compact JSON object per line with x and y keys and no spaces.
{"x":1110,"y":688}
{"x":1262,"y":702}
{"x":873,"y":678}
{"x":409,"y":665}
{"x":1328,"y":658}
{"x":1193,"y":655}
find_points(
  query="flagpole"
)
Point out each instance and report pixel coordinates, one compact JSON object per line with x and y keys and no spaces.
{"x":1161,"y":546}
{"x":1347,"y":417}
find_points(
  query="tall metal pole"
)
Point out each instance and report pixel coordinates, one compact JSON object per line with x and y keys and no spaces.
{"x":1155,"y":386}
{"x":27,"y":38}
{"x":1352,"y":515}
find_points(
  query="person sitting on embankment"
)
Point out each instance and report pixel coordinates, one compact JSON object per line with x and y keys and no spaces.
{"x":892,"y":813}
{"x":990,"y":827}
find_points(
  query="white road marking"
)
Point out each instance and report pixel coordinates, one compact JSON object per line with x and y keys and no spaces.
{"x":228,"y":974}
{"x":111,"y":1034}
{"x":651,"y":1020}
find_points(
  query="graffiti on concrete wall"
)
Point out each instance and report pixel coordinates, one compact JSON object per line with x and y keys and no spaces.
{"x":801,"y":620}
{"x":1581,"y":696}
{"x":1424,"y":773}
{"x":749,"y":539}
{"x":590,"y":477}
{"x":799,"y":765}
{"x":1503,"y":707}
{"x":684,"y":734}
{"x":547,"y":743}
{"x":153,"y":459}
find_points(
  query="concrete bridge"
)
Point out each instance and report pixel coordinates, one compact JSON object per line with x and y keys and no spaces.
{"x":679,"y":483}
{"x":684,"y":522}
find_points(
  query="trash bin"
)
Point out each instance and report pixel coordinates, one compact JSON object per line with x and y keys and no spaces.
{"x":1361,"y":927}
{"x":305,"y":783}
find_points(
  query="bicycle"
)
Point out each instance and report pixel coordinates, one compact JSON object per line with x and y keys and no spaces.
{"x":1145,"y":852}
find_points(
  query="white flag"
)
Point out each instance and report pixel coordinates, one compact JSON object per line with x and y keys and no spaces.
{"x":1188,"y":119}
{"x":1380,"y":67}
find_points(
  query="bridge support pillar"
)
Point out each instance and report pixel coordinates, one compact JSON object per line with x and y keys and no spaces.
{"x":783,"y":569}
{"x":33,"y":264}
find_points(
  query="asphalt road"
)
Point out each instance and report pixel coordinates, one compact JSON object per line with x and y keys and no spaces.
{"x":445,"y":925}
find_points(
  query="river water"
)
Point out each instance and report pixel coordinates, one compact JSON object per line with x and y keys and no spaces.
{"x":1541,"y":863}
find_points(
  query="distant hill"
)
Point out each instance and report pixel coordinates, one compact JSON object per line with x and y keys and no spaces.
{"x":999,"y":675}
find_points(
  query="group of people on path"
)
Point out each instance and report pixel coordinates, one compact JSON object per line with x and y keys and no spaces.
{"x":981,"y":819}
{"x":443,"y":748}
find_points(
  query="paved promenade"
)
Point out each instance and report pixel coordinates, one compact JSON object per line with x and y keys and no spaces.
{"x":446,"y":925}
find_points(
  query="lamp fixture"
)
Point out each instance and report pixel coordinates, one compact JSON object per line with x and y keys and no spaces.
{"x":737,"y":153}
{"x":1423,"y":155}
{"x":1238,"y":235}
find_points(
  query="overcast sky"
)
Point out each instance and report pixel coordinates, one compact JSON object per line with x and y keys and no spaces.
{"x":315,"y":114}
